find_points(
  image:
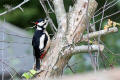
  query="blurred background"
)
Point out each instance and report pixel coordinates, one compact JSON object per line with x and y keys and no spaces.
{"x":16,"y":52}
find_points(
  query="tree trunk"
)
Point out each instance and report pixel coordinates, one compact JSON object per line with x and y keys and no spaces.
{"x":61,"y":50}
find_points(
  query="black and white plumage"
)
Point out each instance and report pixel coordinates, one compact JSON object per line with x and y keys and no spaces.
{"x":40,"y":41}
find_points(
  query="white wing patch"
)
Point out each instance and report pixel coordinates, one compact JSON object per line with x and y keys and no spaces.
{"x":41,"y":46}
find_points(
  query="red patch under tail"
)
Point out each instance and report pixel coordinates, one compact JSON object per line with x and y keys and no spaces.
{"x":43,"y":55}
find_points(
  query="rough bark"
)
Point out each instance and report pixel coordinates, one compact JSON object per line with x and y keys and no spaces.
{"x":79,"y":18}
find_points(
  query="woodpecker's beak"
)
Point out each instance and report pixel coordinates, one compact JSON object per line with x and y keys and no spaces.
{"x":46,"y":19}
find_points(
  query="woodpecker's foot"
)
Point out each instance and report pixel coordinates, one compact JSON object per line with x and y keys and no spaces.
{"x":38,"y":70}
{"x":35,"y":68}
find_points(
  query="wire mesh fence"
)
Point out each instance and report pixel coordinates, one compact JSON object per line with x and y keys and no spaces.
{"x":15,"y":54}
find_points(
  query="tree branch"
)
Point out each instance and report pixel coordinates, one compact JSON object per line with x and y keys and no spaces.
{"x":84,"y":48}
{"x":101,"y":32}
{"x":71,"y":50}
{"x":60,"y":14}
{"x":18,"y":6}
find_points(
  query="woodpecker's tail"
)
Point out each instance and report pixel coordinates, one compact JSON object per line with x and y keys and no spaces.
{"x":37,"y":58}
{"x":37,"y":64}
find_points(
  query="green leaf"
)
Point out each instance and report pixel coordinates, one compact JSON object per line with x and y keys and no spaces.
{"x":32,"y":71}
{"x":26,"y":75}
{"x":29,"y":74}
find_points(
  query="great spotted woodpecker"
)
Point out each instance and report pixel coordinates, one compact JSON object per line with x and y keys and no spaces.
{"x":40,"y":41}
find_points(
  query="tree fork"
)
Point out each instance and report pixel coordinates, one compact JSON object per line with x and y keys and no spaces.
{"x":57,"y":57}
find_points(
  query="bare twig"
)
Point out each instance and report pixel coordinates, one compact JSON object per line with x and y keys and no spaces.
{"x":99,"y":52}
{"x":108,"y":8}
{"x":102,"y":16}
{"x":105,"y":6}
{"x":96,"y":55}
{"x":88,"y":29}
{"x":50,"y":6}
{"x":70,"y":68}
{"x":106,"y":17}
{"x":54,"y":29}
{"x":21,"y":9}
{"x":18,"y":6}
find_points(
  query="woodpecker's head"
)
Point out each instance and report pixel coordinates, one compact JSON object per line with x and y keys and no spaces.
{"x":41,"y":24}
